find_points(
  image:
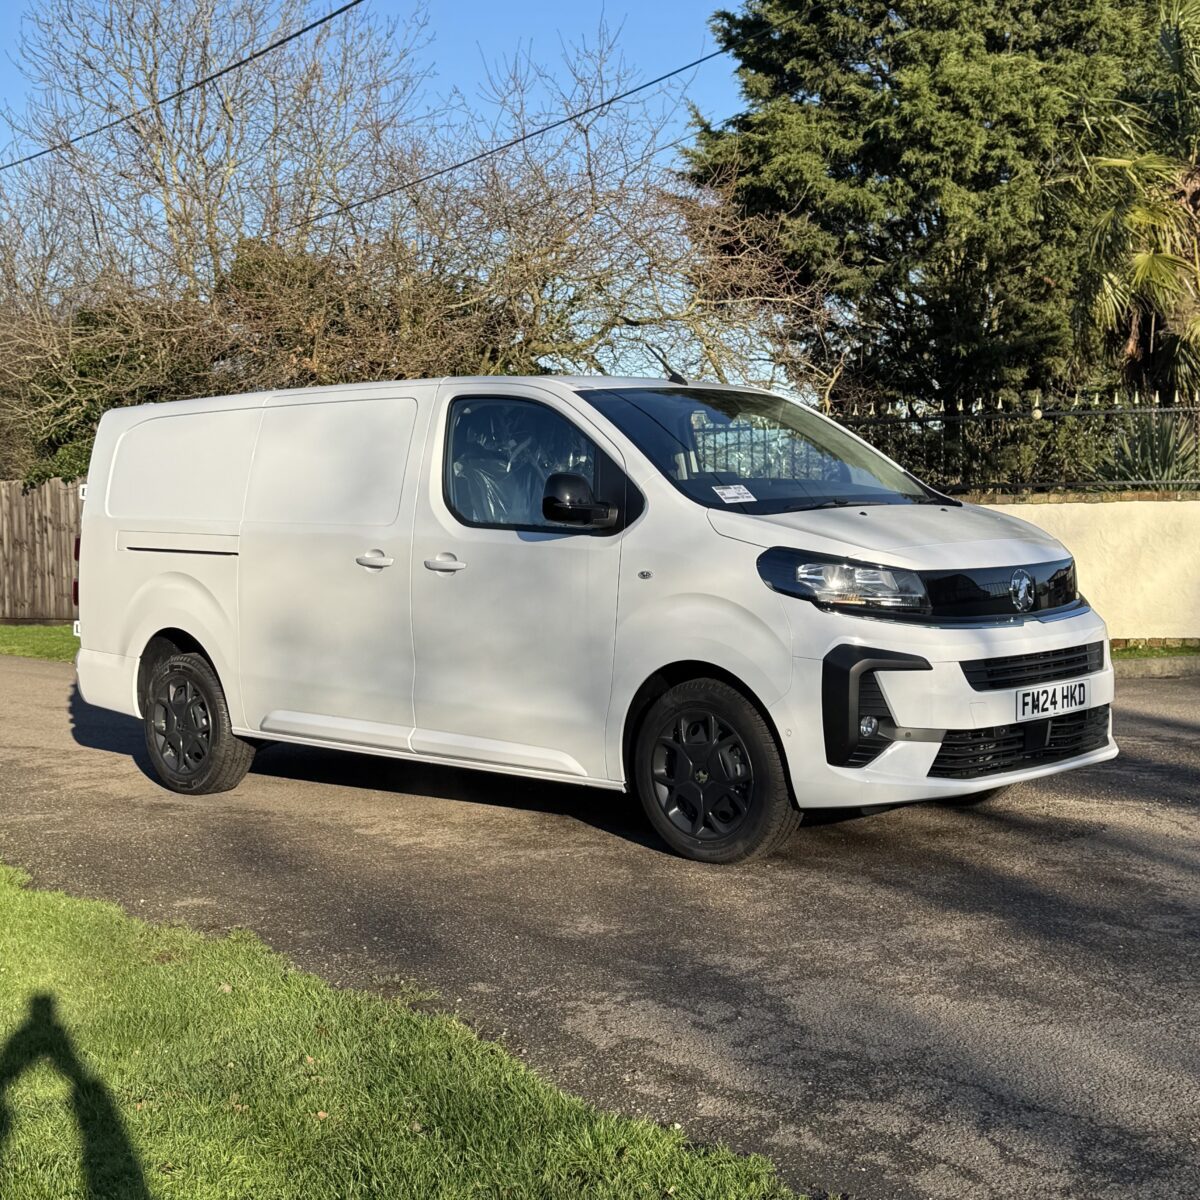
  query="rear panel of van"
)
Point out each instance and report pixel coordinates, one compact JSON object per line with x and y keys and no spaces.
{"x":166,"y":488}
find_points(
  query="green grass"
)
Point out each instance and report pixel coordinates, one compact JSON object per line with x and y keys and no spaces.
{"x":140,"y":1061}
{"x":55,"y":642}
{"x":1154,"y":651}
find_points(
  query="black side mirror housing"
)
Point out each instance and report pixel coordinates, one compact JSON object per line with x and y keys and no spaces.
{"x":568,"y":500}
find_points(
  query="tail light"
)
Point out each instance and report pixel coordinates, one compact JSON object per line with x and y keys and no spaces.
{"x":75,"y":582}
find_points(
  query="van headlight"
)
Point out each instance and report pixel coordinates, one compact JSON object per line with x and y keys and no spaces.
{"x":844,"y":583}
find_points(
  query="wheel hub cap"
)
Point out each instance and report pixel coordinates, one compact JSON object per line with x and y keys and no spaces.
{"x":182,"y":725}
{"x":702,"y":775}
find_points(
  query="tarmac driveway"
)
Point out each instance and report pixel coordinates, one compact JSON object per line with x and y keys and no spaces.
{"x":925,"y":1002}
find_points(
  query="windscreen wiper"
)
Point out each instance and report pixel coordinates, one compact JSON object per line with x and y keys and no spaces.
{"x":838,"y":502}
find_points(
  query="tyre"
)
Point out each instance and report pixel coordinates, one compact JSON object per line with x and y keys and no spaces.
{"x":710,"y":776}
{"x":974,"y":798}
{"x":188,"y":733}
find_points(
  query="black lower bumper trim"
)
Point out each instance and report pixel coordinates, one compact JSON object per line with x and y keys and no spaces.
{"x":975,"y":753}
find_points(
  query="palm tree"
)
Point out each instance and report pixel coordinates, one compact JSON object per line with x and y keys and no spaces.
{"x":1141,"y":189}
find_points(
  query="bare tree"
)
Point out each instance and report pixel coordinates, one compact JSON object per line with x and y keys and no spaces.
{"x":272,"y":231}
{"x":254,"y":154}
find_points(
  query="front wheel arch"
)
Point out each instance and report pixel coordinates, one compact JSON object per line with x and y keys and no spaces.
{"x":671,"y":675}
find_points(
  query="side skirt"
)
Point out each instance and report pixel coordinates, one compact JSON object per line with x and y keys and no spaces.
{"x":614,"y":785}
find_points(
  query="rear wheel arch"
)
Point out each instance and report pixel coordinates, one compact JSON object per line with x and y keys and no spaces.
{"x":164,"y":644}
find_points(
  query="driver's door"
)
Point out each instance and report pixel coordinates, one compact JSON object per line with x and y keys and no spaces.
{"x":513,"y":615}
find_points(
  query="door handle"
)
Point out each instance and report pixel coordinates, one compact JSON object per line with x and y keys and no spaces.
{"x":376,"y":560}
{"x":444,"y":563}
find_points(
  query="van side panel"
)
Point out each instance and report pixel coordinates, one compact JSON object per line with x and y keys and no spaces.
{"x":331,"y":462}
{"x":183,"y":468}
{"x":160,"y":544}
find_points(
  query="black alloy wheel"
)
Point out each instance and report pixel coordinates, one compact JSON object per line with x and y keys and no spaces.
{"x":182,"y":724}
{"x":710,"y":774}
{"x":189,"y":735}
{"x":703,"y":776}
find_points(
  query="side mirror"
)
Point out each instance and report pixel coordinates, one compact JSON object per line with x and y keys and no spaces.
{"x":568,"y":499}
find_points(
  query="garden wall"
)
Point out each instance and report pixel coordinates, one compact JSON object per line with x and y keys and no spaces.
{"x":1138,"y":555}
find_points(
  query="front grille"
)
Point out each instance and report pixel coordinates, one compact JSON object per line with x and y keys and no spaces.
{"x":989,"y":591}
{"x":973,"y":753}
{"x":1028,"y":670}
{"x":870,"y":703}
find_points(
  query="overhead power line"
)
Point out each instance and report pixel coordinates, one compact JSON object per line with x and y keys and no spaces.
{"x":543,"y":129}
{"x":183,"y":91}
{"x":517,"y":141}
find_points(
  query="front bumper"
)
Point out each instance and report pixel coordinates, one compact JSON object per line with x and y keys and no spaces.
{"x":926,"y":693}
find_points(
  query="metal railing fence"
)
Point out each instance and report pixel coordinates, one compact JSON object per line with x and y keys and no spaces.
{"x":1077,"y":448}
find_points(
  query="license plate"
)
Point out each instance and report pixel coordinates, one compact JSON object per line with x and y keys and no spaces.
{"x":1040,"y":702}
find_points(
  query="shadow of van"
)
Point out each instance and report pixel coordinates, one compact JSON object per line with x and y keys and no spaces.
{"x":616,"y":813}
{"x":100,"y":729}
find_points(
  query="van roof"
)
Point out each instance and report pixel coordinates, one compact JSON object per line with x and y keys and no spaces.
{"x":583,"y":382}
{"x":594,"y":382}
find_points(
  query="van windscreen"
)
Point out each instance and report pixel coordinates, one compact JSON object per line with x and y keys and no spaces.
{"x":750,"y":450}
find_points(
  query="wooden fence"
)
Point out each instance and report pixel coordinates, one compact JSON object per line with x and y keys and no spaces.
{"x":37,"y":544}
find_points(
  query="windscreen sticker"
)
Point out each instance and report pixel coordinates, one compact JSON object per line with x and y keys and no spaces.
{"x":734,"y":493}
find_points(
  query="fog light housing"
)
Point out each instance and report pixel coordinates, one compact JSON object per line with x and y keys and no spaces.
{"x":868,"y":727}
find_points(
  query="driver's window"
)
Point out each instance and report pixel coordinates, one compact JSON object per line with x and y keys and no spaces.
{"x":499,"y":455}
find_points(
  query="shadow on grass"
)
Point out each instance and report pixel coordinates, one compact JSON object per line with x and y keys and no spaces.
{"x":110,"y":1166}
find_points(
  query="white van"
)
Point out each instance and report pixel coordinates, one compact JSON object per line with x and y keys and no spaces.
{"x":715,"y":596}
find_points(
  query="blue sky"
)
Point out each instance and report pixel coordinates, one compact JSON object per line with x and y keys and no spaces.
{"x":656,"y":35}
